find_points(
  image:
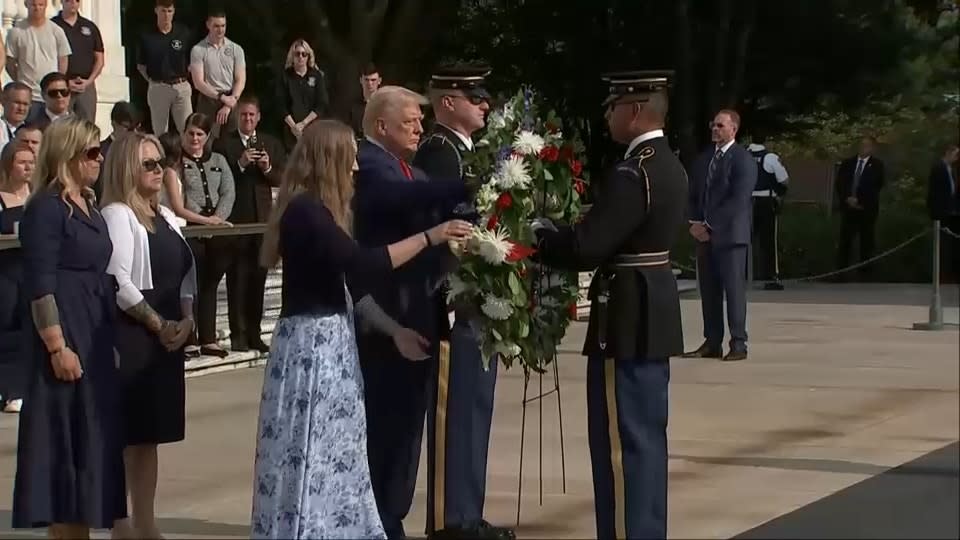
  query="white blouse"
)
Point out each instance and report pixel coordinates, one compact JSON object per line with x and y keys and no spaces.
{"x":130,"y":262}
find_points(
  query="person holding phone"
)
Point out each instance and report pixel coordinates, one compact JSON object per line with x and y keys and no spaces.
{"x":256,"y":160}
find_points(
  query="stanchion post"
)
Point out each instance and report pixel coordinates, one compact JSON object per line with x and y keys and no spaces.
{"x":935,"y":316}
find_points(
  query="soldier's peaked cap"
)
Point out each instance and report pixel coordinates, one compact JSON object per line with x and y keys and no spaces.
{"x":626,"y":83}
{"x":468,"y":78}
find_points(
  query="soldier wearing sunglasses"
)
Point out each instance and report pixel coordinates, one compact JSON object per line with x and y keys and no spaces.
{"x":56,"y":99}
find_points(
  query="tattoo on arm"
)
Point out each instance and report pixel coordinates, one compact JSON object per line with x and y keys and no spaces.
{"x":44,"y":311}
{"x":146,"y":316}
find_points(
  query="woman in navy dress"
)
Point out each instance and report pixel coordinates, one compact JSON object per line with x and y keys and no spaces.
{"x":16,"y":165}
{"x":69,"y":453}
{"x":312,"y":479}
{"x":156,"y":281}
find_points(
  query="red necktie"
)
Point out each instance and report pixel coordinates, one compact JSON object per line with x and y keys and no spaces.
{"x":406,"y":170}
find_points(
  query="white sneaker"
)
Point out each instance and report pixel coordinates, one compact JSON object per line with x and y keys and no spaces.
{"x":13,"y":406}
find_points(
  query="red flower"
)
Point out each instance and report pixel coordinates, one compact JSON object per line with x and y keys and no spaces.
{"x":576,"y":167}
{"x":550,"y":153}
{"x":504,"y":201}
{"x":519,"y":252}
{"x":566,"y":153}
{"x":572,"y":310}
{"x":579,"y":186}
{"x":492,"y":222}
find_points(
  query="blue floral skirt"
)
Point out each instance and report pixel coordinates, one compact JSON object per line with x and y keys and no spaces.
{"x":312,"y":479}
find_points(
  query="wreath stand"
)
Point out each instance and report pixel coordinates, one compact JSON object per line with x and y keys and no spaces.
{"x":527,"y":400}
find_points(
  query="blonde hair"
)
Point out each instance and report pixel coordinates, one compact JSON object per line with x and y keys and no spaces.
{"x":388,"y":100}
{"x":121,"y":175}
{"x":311,"y":57}
{"x":63,"y":145}
{"x":321,"y":166}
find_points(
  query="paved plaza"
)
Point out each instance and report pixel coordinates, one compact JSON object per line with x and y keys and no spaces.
{"x":843,"y":423}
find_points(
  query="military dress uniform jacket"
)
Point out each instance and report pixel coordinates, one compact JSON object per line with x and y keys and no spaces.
{"x":627,"y":235}
{"x":441,"y":157}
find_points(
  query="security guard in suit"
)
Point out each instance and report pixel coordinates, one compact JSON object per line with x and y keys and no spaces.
{"x":461,"y":391}
{"x":635,"y":326}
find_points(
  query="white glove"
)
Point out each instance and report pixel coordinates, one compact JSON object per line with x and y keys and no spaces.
{"x":543,"y":223}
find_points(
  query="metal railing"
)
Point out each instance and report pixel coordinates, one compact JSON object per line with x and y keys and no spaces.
{"x":12,"y":241}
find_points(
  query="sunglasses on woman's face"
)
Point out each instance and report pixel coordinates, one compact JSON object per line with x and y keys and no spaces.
{"x":58,"y":93}
{"x":301,"y":54}
{"x":151,"y":165}
{"x":92,"y":153}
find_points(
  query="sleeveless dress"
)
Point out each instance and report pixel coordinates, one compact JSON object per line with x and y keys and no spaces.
{"x":154,"y":388}
{"x":13,"y":311}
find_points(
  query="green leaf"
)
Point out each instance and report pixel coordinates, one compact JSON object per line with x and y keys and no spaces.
{"x":514,"y":284}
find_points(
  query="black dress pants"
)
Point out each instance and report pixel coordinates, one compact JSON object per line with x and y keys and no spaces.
{"x":213,"y":257}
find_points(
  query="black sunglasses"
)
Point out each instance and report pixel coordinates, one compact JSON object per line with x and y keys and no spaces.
{"x":92,"y":153}
{"x":152,"y":165}
{"x":301,"y":54}
{"x":58,"y":93}
{"x":474,"y":100}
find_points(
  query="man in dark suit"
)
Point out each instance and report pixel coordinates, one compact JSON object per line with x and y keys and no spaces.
{"x":721,"y":215}
{"x":124,"y":118}
{"x":859,"y":181}
{"x":943,"y":203}
{"x":256,"y":161}
{"x":394,"y":200}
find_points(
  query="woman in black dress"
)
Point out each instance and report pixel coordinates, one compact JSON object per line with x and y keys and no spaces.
{"x":16,"y":165}
{"x":301,"y":92}
{"x":69,"y":453}
{"x":156,"y":282}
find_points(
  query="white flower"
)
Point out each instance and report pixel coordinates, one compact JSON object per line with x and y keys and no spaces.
{"x":528,"y":143}
{"x":507,"y":349}
{"x":457,"y":287}
{"x":497,"y":309}
{"x":496,"y":120}
{"x":512,"y":174}
{"x":487,"y":196}
{"x":491,"y":245}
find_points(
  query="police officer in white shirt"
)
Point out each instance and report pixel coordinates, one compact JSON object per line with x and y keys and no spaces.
{"x":771,"y":186}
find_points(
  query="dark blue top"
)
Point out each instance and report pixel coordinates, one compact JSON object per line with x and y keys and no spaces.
{"x":317,"y":254}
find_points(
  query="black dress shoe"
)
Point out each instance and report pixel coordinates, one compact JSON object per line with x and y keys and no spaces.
{"x":213,"y":351}
{"x":259,"y":346}
{"x":734,"y":356}
{"x":704,"y":351}
{"x":239,"y":346}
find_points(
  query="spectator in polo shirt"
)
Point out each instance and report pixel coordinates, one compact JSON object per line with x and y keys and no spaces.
{"x":370,"y":81}
{"x":16,"y":105}
{"x":86,"y":62}
{"x":36,"y":47}
{"x":162,"y":59}
{"x":56,"y":96}
{"x":219,"y":72}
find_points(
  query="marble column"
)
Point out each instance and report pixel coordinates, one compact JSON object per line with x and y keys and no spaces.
{"x":112,"y":84}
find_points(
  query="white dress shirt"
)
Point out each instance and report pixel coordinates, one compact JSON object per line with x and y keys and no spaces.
{"x":130,"y":262}
{"x":466,"y":140}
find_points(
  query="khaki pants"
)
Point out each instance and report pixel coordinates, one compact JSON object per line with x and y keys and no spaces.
{"x":166,"y":99}
{"x":85,"y":105}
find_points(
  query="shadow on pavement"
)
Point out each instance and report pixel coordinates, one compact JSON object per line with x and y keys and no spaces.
{"x":918,"y":499}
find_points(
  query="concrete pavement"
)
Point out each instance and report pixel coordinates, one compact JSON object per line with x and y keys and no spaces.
{"x":837,"y":390}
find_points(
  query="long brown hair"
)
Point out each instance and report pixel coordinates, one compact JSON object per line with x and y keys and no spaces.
{"x":121,"y":175}
{"x":8,"y":158}
{"x":321,"y":166}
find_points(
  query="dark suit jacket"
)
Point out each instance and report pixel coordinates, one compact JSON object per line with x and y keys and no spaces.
{"x":726,"y":205}
{"x":868,"y":189}
{"x":943,"y":198}
{"x":254,"y":199}
{"x":389,"y":207}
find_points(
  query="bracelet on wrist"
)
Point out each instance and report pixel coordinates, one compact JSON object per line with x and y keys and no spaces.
{"x":427,"y":238}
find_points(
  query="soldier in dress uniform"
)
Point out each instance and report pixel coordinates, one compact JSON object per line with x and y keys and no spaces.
{"x":772,"y":180}
{"x":460,"y":409}
{"x":635,"y":326}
